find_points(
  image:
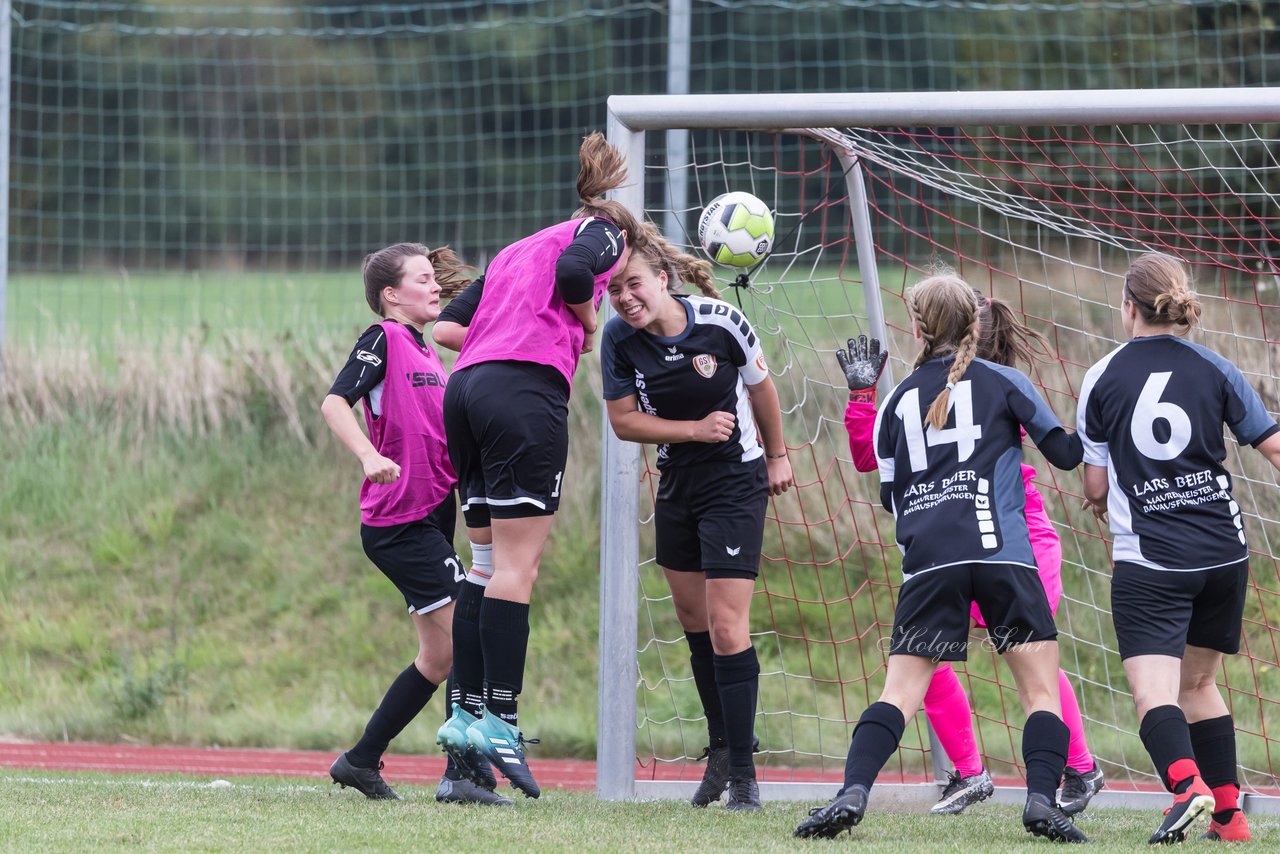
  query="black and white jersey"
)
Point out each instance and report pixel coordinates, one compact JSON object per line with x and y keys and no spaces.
{"x":704,"y":369}
{"x":957,"y":492}
{"x":1152,"y":412}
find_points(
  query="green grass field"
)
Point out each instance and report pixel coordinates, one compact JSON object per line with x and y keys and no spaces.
{"x":147,"y":306}
{"x":48,"y":811}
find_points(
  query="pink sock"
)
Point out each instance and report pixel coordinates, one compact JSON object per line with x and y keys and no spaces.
{"x":949,"y":713}
{"x":1078,"y":756}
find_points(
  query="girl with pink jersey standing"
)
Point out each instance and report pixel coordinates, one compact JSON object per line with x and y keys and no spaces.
{"x":406,"y":501}
{"x":520,"y":329}
{"x":1005,"y":341}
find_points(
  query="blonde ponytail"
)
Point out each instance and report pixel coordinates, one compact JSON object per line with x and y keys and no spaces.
{"x":946,"y":311}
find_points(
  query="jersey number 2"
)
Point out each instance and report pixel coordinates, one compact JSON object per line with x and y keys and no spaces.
{"x":964,"y":435}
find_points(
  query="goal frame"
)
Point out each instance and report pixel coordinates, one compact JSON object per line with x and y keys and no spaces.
{"x":630,"y":117}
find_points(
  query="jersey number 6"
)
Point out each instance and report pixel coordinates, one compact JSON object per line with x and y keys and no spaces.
{"x":1151,"y":408}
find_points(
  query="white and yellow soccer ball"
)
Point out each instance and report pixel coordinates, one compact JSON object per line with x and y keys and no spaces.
{"x":736,"y":229}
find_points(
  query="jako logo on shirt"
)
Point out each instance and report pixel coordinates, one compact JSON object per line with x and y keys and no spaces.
{"x":705,"y":364}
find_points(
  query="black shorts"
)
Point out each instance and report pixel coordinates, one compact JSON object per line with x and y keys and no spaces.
{"x":932,"y":617}
{"x":1158,"y":612}
{"x":710,"y":518}
{"x":418,"y":557}
{"x":507,"y":424}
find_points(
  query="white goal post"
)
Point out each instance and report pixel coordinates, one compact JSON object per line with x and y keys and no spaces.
{"x":847,"y":124}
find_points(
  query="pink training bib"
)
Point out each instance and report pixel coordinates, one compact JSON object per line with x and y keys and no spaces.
{"x":410,"y":432}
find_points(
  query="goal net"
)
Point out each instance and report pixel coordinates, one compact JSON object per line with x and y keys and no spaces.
{"x":1039,"y":199}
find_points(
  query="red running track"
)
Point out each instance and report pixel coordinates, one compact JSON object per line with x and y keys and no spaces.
{"x":577,"y":774}
{"x":573,"y":774}
{"x":237,"y":762}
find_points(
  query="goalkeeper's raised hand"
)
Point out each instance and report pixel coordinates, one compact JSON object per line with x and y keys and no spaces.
{"x":862,"y":364}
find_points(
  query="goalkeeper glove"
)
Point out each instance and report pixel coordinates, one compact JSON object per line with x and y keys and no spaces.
{"x":862,"y":364}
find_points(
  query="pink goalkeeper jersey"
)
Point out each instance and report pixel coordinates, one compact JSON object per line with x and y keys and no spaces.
{"x":521,"y":318}
{"x":409,"y":432}
{"x":859,"y":421}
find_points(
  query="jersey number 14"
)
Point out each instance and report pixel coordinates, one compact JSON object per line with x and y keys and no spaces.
{"x":964,"y":435}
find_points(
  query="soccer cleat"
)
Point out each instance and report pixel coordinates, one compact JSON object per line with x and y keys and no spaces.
{"x":466,"y":792}
{"x":744,"y":795}
{"x":503,"y":745}
{"x":843,"y":813}
{"x":1193,"y":803}
{"x":452,"y":738}
{"x":1042,"y":818}
{"x":1235,"y":829}
{"x":715,"y":777}
{"x":963,"y":792}
{"x":364,"y":780}
{"x":1078,"y":789}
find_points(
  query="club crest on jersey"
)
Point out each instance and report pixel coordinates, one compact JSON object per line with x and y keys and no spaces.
{"x":760,"y":363}
{"x":705,"y":364}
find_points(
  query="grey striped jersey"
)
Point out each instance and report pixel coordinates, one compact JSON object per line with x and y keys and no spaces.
{"x":1152,"y":412}
{"x":957,"y":492}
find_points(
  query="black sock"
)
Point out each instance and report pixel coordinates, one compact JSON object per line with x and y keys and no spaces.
{"x":875,"y":738}
{"x":404,"y":699}
{"x":1045,"y":740}
{"x":1214,"y":743}
{"x":1167,"y":737}
{"x":738,"y":681}
{"x":468,"y":655}
{"x":702,"y":660}
{"x":452,"y":694}
{"x":504,"y":636}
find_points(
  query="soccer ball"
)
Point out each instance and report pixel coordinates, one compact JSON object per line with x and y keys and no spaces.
{"x":736,"y":229}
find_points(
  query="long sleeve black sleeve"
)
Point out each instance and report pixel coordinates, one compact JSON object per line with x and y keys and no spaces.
{"x":594,"y":250}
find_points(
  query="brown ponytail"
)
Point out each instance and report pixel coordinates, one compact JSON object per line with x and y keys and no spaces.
{"x":603,"y":168}
{"x":1160,"y":287}
{"x":680,"y":267}
{"x":1003,"y":338}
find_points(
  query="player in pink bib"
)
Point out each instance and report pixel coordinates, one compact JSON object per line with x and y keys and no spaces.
{"x":520,"y":329}
{"x":406,"y":501}
{"x":1005,"y":341}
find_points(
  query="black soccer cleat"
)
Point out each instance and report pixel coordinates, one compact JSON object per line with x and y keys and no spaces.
{"x":1042,"y":818}
{"x":367,"y":781}
{"x":715,"y":777}
{"x":1078,"y":789}
{"x":843,"y":813}
{"x":466,"y":792}
{"x":744,"y":794}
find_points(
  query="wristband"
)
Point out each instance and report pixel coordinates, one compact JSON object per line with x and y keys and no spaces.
{"x":864,"y":395}
{"x":769,"y":456}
